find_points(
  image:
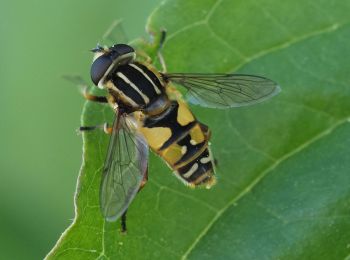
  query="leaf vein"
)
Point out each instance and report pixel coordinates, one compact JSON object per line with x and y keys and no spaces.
{"x":162,"y":187}
{"x":307,"y":107}
{"x":212,"y":10}
{"x":257,"y":180}
{"x":226,"y":43}
{"x":247,"y":144}
{"x":273,"y":19}
{"x":286,"y":44}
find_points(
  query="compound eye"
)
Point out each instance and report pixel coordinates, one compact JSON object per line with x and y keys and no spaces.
{"x":99,"y":68}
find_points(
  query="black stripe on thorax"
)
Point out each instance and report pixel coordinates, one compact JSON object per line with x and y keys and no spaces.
{"x":127,"y":90}
{"x":150,"y":74}
{"x":139,"y":80}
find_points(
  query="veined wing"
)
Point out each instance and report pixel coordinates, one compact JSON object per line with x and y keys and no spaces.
{"x":224,"y":90}
{"x":115,"y":33}
{"x":77,"y":80}
{"x":124,"y":169}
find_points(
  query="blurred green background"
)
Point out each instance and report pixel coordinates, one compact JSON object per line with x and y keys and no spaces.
{"x":40,"y":150}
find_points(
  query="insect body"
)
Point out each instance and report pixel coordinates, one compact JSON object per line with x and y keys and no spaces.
{"x":150,"y":113}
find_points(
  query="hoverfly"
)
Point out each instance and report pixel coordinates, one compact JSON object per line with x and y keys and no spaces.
{"x":151,"y":113}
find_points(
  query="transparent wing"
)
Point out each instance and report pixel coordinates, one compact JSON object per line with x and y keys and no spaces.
{"x":115,"y":34}
{"x":224,"y":90}
{"x":77,"y":80}
{"x":124,"y":169}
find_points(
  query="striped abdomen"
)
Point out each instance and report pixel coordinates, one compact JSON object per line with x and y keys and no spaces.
{"x":135,"y":85}
{"x":182,"y":142}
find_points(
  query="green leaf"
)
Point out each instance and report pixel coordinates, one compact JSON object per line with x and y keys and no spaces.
{"x":283,"y":187}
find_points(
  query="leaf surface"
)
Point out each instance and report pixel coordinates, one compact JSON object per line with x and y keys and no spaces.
{"x":283,"y":174}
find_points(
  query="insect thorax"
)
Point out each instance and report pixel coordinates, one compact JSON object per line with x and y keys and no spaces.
{"x":136,"y":86}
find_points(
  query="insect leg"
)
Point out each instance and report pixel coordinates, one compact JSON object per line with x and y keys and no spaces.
{"x":144,"y":181}
{"x":123,"y":222}
{"x":144,"y":55}
{"x":107,"y":129}
{"x":98,"y":99}
{"x":216,"y":162}
{"x":123,"y":228}
{"x":159,"y":53}
{"x":83,"y":87}
{"x":158,"y":45}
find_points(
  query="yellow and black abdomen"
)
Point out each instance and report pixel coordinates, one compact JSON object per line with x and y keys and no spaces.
{"x":182,"y":142}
